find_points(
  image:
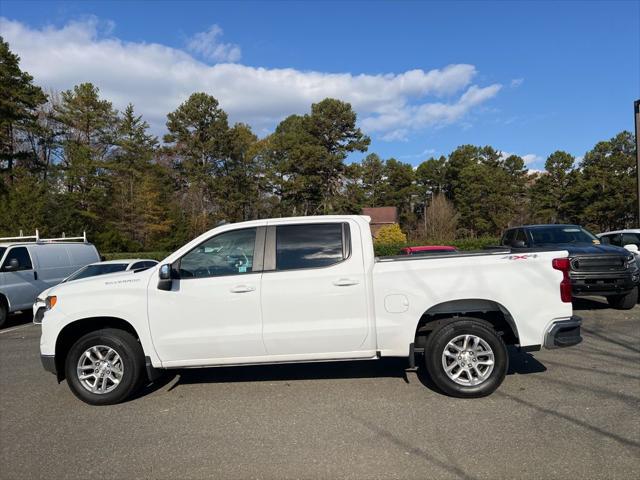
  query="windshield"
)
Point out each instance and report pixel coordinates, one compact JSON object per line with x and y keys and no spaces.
{"x":562,"y":234}
{"x":2,"y":250}
{"x":95,"y":270}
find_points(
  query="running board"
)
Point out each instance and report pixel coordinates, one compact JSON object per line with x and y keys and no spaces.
{"x":283,"y":362}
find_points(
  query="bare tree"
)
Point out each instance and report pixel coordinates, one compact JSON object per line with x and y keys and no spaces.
{"x":441,"y":219}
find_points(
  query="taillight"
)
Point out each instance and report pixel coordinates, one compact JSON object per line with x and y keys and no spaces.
{"x":564,"y":266}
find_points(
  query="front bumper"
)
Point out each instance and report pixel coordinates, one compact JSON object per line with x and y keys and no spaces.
{"x":49,"y":363}
{"x":563,"y":333}
{"x":38,"y":315}
{"x":603,"y":284}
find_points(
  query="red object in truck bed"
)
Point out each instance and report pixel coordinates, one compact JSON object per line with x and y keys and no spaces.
{"x":428,"y":249}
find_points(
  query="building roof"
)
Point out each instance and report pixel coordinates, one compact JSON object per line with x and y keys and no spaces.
{"x":381,"y":214}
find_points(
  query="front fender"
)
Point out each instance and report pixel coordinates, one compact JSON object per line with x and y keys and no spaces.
{"x":126,"y":304}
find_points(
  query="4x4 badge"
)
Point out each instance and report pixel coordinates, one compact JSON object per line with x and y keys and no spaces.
{"x":520,"y":257}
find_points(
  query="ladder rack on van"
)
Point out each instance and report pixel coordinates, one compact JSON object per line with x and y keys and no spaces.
{"x":36,"y":238}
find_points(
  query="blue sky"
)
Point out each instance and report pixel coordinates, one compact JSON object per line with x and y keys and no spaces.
{"x":424,"y":77}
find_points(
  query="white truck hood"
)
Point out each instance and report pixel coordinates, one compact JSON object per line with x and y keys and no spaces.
{"x":97,"y":282}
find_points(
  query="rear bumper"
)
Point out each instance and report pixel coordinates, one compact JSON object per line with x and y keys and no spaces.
{"x":49,"y":363}
{"x":563,"y":333}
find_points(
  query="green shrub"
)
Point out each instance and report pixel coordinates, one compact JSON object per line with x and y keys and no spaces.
{"x":122,"y":255}
{"x":387,"y":250}
{"x":390,"y":234}
{"x":464,"y":244}
{"x":475,"y":243}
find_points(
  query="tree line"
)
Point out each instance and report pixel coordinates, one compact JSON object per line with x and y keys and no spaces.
{"x":70,"y":162}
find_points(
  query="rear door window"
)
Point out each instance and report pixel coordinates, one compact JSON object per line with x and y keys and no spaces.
{"x":310,"y":245}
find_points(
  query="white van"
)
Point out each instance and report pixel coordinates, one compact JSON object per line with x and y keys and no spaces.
{"x":29,"y":265}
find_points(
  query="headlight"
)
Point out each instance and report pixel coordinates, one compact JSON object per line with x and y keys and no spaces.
{"x":51,"y":301}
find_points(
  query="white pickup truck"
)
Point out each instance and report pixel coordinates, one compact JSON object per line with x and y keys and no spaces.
{"x":306,"y":289}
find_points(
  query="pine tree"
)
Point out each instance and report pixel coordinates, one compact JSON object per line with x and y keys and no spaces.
{"x":19,"y":100}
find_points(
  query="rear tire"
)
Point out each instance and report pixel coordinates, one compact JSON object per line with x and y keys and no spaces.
{"x":466,"y":358}
{"x":3,"y":313}
{"x":105,"y":367}
{"x":624,"y":302}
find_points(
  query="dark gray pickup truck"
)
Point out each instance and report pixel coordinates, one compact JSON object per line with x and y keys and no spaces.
{"x":603,"y":270}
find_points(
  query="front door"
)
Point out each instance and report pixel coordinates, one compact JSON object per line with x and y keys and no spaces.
{"x":314,"y":299}
{"x":212,"y":311}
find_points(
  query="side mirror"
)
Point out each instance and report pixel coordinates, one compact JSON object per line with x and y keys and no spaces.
{"x":165,"y":276}
{"x":12,"y":266}
{"x":633,"y":248}
{"x":518,"y":244}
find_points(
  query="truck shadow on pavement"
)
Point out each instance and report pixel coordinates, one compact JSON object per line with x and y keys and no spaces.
{"x":583,"y":303}
{"x":520,"y":363}
{"x":17,"y":319}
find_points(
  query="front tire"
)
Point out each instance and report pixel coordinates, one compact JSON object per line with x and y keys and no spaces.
{"x":105,"y":367}
{"x":624,"y":302}
{"x":466,"y":358}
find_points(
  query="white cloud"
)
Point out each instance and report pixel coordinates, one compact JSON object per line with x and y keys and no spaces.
{"x":529,"y":159}
{"x":399,"y":135}
{"x":516,"y":82}
{"x":417,"y":117}
{"x":208,"y":45}
{"x":157,"y":78}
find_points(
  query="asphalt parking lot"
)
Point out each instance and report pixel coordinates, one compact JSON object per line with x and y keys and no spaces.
{"x":572,"y":413}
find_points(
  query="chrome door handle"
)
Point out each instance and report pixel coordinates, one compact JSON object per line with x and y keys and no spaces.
{"x":243,"y":289}
{"x":346,"y":282}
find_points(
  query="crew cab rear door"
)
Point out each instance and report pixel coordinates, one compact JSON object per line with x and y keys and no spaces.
{"x":314,"y":293}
